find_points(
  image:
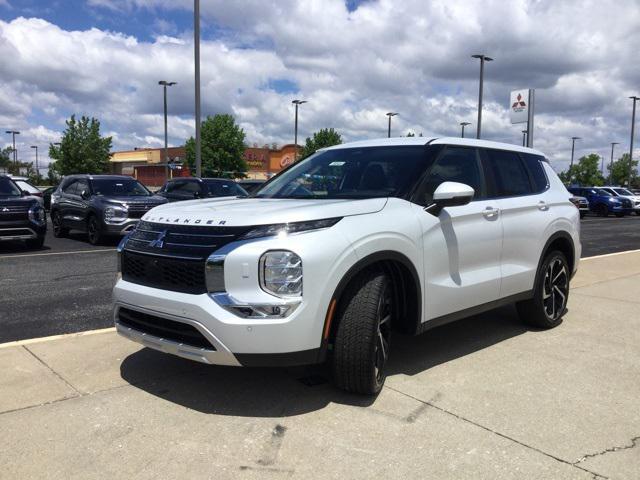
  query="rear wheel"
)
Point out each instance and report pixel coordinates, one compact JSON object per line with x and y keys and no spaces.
{"x":602,"y":210}
{"x":361,"y":346}
{"x":93,"y":230}
{"x":58,"y":229}
{"x":549,"y":302}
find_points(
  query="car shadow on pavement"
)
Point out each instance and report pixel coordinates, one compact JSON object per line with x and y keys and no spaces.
{"x":283,"y":392}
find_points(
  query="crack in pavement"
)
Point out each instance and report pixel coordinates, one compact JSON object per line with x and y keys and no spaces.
{"x":634,"y":443}
{"x":506,"y":437}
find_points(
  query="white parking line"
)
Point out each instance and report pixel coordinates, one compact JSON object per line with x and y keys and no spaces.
{"x":29,"y":341}
{"x":610,"y":254}
{"x":59,"y":253}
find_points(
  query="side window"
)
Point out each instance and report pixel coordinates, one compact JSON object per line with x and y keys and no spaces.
{"x":187,"y":187}
{"x":455,"y":164}
{"x":509,"y":172}
{"x":536,"y":171}
{"x":81,"y":186}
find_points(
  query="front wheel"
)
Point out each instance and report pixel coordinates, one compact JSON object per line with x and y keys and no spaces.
{"x":58,"y":230}
{"x":602,"y":210}
{"x":361,"y":346}
{"x":93,"y":231}
{"x":551,"y":293}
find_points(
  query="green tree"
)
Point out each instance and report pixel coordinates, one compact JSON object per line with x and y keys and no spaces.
{"x":6,"y":158}
{"x":222,"y":148}
{"x":585,"y":172}
{"x":619,"y":171}
{"x":82,"y":149}
{"x":325,"y":137}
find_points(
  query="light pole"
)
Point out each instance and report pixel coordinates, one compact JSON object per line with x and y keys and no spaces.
{"x":613,"y":144}
{"x":483,"y":58}
{"x":13,"y":133}
{"x":166,"y":84}
{"x":297,"y":103}
{"x":464,"y":124}
{"x":37,"y":167}
{"x":633,"y":124}
{"x":390,"y":114}
{"x":573,"y":147}
{"x":196,"y":61}
{"x":524,"y":138}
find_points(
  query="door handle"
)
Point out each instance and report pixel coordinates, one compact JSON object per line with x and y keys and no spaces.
{"x":490,"y":212}
{"x":542,"y":206}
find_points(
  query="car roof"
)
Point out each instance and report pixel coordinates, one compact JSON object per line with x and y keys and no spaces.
{"x":100,"y":177}
{"x":199,"y":179}
{"x":408,"y":141}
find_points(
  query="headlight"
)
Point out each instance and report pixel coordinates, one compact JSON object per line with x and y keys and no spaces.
{"x":614,"y":200}
{"x":115,"y":214}
{"x":37,"y":215}
{"x":287,"y":228}
{"x":281,"y":273}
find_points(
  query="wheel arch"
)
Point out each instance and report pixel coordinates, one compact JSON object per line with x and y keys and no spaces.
{"x":563,"y":242}
{"x":407,"y":291}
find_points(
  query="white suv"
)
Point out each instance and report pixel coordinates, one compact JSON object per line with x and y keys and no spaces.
{"x":339,"y":250}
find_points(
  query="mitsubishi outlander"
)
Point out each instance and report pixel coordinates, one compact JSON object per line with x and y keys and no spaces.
{"x":336,"y":252}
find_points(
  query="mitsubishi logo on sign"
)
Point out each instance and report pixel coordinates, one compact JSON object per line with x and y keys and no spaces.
{"x":519,"y":108}
{"x":159,"y":241}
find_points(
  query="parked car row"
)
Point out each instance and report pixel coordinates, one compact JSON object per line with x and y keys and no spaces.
{"x":604,"y":201}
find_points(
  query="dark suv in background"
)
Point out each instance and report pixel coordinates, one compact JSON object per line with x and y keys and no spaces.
{"x":101,"y":205}
{"x":21,"y":216}
{"x":602,"y":203}
{"x":191,"y":188}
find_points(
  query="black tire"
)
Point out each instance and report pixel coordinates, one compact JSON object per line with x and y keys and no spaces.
{"x":94,"y":230}
{"x":583,"y":214}
{"x":361,"y":346}
{"x":551,"y":294}
{"x":35,"y":242}
{"x":638,"y":212}
{"x":58,"y":230}
{"x":602,"y":210}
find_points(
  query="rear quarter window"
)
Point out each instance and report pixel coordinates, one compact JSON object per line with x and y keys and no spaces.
{"x":536,"y":170}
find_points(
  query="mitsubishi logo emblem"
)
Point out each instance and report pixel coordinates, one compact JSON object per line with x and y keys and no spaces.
{"x":158,"y":242}
{"x":5,"y":209}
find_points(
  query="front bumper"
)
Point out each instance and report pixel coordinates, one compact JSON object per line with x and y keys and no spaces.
{"x":120,"y":228}
{"x":21,"y":230}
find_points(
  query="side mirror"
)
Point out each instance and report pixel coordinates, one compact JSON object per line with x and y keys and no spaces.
{"x":85,"y":195}
{"x":450,"y":194}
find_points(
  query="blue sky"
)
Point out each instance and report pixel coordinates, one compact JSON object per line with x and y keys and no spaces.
{"x":352,"y":60}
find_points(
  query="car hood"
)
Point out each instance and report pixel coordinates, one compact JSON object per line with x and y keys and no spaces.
{"x":134,"y":200}
{"x":258,"y":211}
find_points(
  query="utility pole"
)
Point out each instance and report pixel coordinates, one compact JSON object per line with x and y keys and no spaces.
{"x":166,"y":84}
{"x":573,"y":147}
{"x":613,"y":144}
{"x":464,"y":124}
{"x":483,"y":58}
{"x":297,"y":103}
{"x":13,"y":133}
{"x":196,"y":55}
{"x":390,"y":114}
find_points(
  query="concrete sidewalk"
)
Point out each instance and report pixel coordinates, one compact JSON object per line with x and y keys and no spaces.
{"x":482,"y":398}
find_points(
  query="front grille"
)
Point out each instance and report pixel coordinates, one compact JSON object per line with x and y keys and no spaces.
{"x":172,"y":257}
{"x":626,"y":203}
{"x":137,"y":211}
{"x":167,"y":273}
{"x":9,"y":213}
{"x":163,"y":328}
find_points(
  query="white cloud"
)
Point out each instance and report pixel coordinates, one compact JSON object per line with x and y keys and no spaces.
{"x":412,"y":57}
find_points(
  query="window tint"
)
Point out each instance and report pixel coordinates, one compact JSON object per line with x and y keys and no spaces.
{"x":8,"y":188}
{"x":536,"y":170}
{"x":225,"y":189}
{"x":509,"y":172}
{"x":81,"y":186}
{"x":456,"y":164}
{"x":186,"y":187}
{"x":71,"y":188}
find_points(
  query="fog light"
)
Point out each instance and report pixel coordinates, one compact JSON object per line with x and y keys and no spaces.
{"x":281,"y":273}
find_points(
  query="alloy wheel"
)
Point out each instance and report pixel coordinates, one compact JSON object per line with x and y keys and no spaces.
{"x":555,"y":289}
{"x":381,"y":353}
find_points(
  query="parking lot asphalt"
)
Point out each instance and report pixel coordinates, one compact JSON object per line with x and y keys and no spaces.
{"x":66,"y":286}
{"x":482,"y":398}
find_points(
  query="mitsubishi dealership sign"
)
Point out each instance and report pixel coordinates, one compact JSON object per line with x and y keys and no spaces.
{"x":519,"y":106}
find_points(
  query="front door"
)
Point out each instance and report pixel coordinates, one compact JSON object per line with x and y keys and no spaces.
{"x":462,"y":245}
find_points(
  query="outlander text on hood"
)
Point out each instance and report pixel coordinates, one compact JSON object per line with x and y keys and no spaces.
{"x":359,"y":240}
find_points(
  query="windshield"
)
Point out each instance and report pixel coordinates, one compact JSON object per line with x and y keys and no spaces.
{"x":222,"y":188}
{"x":119,"y":188}
{"x":600,"y":191}
{"x":351,"y":173}
{"x":622,"y":191}
{"x":8,"y":188}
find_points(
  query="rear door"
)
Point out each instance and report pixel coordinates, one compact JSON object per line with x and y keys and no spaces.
{"x":519,"y":186}
{"x":462,"y":244}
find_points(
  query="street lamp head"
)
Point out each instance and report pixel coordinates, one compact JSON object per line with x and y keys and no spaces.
{"x":634,"y":97}
{"x":34,"y":146}
{"x":464,"y":124}
{"x":165,"y":83}
{"x":482,"y":57}
{"x":576,"y":138}
{"x":299,"y":102}
{"x":392,"y":114}
{"x":13,"y":132}
{"x":615,"y":143}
